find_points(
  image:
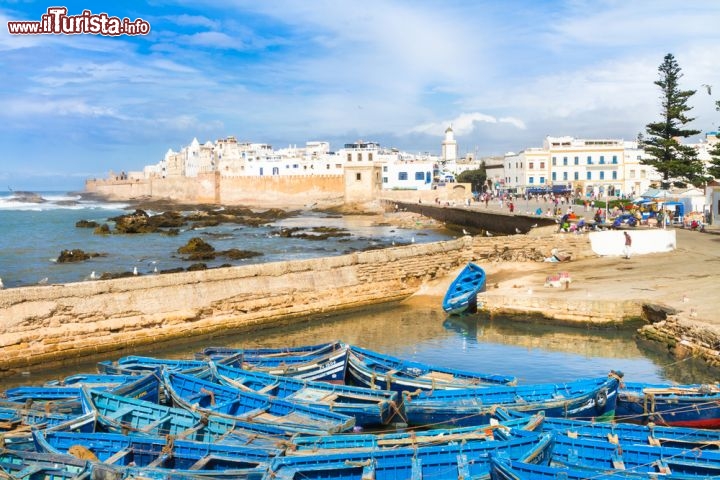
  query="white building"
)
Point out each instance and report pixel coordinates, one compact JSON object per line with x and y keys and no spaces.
{"x":591,"y":167}
{"x":449,"y":151}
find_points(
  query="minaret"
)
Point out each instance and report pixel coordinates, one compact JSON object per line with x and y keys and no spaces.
{"x":449,"y":146}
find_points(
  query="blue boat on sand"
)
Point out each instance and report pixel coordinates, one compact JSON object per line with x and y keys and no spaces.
{"x":461,"y":296}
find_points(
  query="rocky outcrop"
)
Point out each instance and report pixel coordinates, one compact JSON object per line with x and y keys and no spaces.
{"x":684,"y":338}
{"x":77,"y":255}
{"x":86,"y":224}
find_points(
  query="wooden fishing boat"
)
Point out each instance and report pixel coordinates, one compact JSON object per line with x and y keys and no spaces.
{"x":496,"y":430}
{"x":588,"y":399}
{"x":213,"y":353}
{"x":461,"y":296}
{"x":214,"y":399}
{"x":24,"y":465}
{"x":379,"y":371}
{"x":655,"y":435}
{"x":117,"y":414}
{"x":695,"y":406}
{"x":368,"y":407}
{"x":67,"y":399}
{"x":581,"y":453}
{"x":158,"y":457}
{"x":329,"y":366}
{"x":449,"y":460}
{"x":138,"y":364}
{"x":506,"y":469}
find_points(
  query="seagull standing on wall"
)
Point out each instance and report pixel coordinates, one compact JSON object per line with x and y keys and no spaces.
{"x":135,"y":272}
{"x":465,"y":232}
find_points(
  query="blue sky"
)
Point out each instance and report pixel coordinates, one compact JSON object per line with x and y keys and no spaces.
{"x":504,"y":74}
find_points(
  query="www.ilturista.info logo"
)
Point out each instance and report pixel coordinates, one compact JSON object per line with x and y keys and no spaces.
{"x":57,"y":22}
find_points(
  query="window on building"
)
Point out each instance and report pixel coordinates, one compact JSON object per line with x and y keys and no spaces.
{"x":327,"y":166}
{"x":531,"y":180}
{"x":589,"y":160}
{"x":632,"y":173}
{"x":370,"y":157}
{"x":295,"y":165}
{"x":337,"y":165}
{"x":402,"y":176}
{"x":385,"y":179}
{"x":542,"y":165}
{"x":614,"y":175}
{"x":349,"y":157}
{"x":554,"y":161}
{"x":589,"y":175}
{"x":531,"y":165}
{"x":577,"y":160}
{"x":419,"y":176}
{"x":565,"y":176}
{"x":602,"y":159}
{"x":564,"y":160}
{"x":542,"y":180}
{"x":359,"y":156}
{"x":642,"y":173}
{"x":614,"y":160}
{"x":577,"y":175}
{"x":384,"y":168}
{"x":358,"y":176}
{"x":554,"y":176}
{"x":602,"y":175}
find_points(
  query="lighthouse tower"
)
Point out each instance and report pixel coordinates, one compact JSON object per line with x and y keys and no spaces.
{"x":449,"y":146}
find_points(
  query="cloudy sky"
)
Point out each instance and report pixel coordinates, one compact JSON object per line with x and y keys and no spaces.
{"x":504,"y":74}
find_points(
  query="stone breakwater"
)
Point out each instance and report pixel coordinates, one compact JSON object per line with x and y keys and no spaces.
{"x":54,"y":322}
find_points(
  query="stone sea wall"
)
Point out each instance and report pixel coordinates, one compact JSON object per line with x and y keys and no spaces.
{"x":213,"y":188}
{"x":46,"y":323}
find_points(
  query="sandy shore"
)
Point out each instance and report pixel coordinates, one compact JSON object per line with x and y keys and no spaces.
{"x":684,"y":280}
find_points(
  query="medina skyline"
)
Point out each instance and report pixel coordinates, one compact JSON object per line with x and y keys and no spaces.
{"x":395,"y":72}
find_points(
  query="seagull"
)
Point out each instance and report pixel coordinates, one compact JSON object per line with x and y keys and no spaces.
{"x":43,"y":281}
{"x":488,"y":234}
{"x":533,"y":225}
{"x":135,"y":271}
{"x":465,"y":232}
{"x":1,"y":284}
{"x":412,"y":240}
{"x":93,"y":276}
{"x":517,"y":230}
{"x":155,"y":270}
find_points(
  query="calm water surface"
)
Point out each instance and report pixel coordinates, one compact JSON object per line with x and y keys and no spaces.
{"x":533,"y":352}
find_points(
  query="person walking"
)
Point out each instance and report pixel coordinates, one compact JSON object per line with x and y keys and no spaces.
{"x":628,"y":245}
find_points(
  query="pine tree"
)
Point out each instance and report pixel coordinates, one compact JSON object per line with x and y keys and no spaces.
{"x":676,"y":163}
{"x":714,"y":168}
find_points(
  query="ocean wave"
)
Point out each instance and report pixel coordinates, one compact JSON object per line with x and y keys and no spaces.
{"x":55,"y":202}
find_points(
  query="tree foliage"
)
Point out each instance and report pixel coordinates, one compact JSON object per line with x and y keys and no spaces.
{"x":676,"y":162}
{"x":714,"y":168}
{"x":474,"y":177}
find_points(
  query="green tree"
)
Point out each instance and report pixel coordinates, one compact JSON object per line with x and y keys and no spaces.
{"x":474,"y":177}
{"x":676,"y":163}
{"x":714,"y":168}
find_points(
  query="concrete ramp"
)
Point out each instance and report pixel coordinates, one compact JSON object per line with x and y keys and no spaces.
{"x":612,"y":242}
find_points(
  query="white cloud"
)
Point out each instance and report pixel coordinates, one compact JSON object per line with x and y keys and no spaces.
{"x":464,"y":124}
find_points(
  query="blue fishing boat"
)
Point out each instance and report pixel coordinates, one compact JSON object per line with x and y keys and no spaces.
{"x":587,"y":399}
{"x":22,"y":465}
{"x":496,"y":430}
{"x":17,"y":435}
{"x":329,"y":366}
{"x":118,"y":414}
{"x":580,"y":453}
{"x":654,"y":435}
{"x":376,"y":370}
{"x":696,"y":406}
{"x":506,"y":469}
{"x":158,"y":457}
{"x":213,"y":353}
{"x":214,"y":399}
{"x":461,"y":296}
{"x":137,"y":364}
{"x":368,"y":407}
{"x":447,"y":460}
